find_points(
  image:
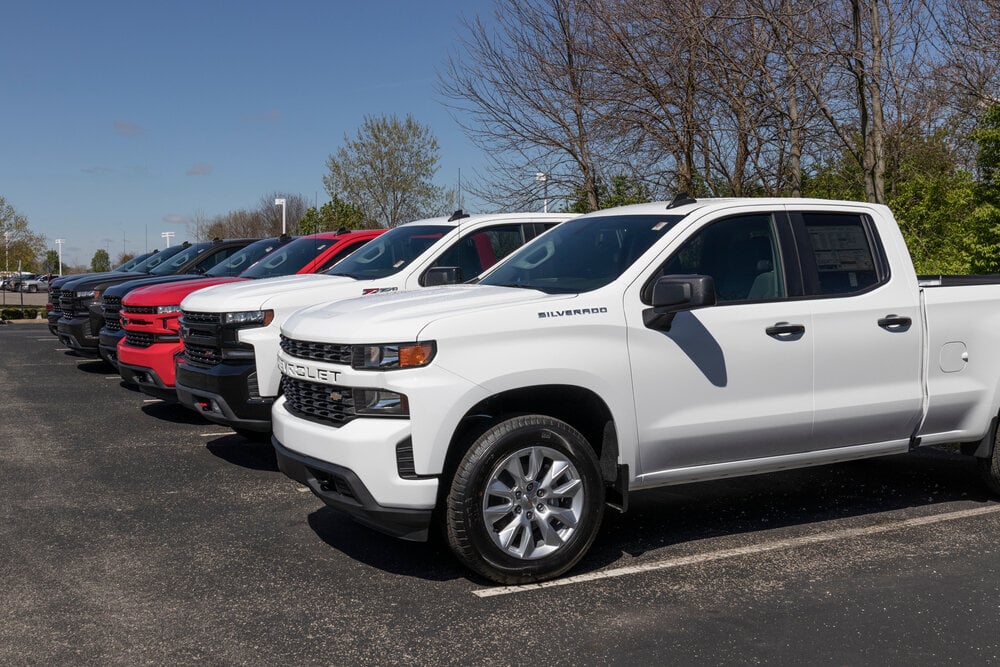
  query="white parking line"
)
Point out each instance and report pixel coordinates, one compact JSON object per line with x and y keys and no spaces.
{"x":696,"y":559}
{"x":213,"y":435}
{"x":153,"y":400}
{"x":112,"y":377}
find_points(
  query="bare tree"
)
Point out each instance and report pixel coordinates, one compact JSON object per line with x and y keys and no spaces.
{"x":524,"y":87}
{"x":295,"y":209}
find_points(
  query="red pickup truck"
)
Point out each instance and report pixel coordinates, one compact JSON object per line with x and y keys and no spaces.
{"x":149,"y":314}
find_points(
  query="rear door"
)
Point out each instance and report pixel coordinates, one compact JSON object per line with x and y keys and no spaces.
{"x":866,"y":330}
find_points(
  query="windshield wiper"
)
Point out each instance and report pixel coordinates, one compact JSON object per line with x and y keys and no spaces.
{"x":346,"y":275}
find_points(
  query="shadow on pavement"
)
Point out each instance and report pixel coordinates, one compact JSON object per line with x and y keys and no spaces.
{"x":174,"y":413}
{"x":251,"y":454}
{"x":677,"y":514}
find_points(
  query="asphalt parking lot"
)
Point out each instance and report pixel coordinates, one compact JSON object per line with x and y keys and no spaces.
{"x":132,"y":532}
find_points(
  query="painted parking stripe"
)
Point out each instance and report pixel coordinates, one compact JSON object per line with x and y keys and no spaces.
{"x":777,"y":545}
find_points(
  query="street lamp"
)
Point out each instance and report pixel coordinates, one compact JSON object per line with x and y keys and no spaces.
{"x":281,"y":202}
{"x":59,"y":243}
{"x":543,"y":178}
{"x":167,"y":236}
{"x":6,"y":262}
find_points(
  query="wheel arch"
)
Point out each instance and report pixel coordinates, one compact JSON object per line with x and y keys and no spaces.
{"x":579,"y":407}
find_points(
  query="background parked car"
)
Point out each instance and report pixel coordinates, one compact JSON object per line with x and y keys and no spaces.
{"x":38,"y":283}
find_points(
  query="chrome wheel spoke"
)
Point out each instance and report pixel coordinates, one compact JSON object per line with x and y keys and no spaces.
{"x":532,"y":502}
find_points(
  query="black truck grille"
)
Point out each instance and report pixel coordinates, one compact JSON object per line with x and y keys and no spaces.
{"x":140,"y":310}
{"x":201,"y":355}
{"x":329,"y":352}
{"x":324,"y":403}
{"x":202,"y":334}
{"x":138,"y":339}
{"x":66,"y":302}
{"x":112,"y":306}
{"x":201,"y":318}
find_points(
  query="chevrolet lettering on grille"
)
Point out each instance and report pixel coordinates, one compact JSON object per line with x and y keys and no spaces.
{"x":307,"y":372}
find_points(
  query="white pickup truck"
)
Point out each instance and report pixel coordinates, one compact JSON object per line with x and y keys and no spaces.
{"x":628,"y":349}
{"x":229,"y":371}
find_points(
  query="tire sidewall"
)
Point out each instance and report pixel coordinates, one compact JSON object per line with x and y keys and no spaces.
{"x":487,"y":452}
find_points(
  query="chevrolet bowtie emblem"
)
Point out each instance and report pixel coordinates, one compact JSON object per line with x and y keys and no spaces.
{"x":336,"y":396}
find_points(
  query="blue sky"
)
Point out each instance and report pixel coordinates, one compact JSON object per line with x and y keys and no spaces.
{"x":122,"y":120}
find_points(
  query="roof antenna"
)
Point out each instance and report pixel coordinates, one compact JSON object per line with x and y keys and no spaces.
{"x":680,"y":199}
{"x":458,"y":215}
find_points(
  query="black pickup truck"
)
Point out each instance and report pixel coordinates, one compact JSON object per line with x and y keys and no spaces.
{"x":82,"y":314}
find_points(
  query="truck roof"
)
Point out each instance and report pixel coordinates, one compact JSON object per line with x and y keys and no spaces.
{"x":686,"y":205}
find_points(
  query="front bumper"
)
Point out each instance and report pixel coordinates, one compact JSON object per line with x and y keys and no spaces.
{"x":343,"y":490}
{"x":222,"y":394}
{"x":147,"y":380}
{"x":108,"y":345}
{"x":75,"y":334}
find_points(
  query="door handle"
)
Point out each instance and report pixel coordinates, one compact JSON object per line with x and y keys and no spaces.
{"x":895,"y":322}
{"x":784,"y":329}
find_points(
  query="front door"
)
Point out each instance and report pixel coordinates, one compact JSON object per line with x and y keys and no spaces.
{"x":730,"y":382}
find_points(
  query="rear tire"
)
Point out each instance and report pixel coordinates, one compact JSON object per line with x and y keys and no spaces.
{"x":989,"y":468}
{"x":32,"y":288}
{"x":526,"y":500}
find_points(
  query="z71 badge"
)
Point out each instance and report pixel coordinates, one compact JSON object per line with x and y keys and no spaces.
{"x":378,"y":290}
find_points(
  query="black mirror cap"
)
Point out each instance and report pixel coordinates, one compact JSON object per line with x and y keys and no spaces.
{"x":442,"y":275}
{"x":674,"y":294}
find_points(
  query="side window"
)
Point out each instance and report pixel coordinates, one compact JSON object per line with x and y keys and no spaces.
{"x":341,"y":254}
{"x":741,"y":254}
{"x":480,"y":250}
{"x":842,"y":251}
{"x":214,"y":258}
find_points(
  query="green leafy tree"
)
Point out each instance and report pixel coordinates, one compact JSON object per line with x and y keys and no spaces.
{"x":623,"y":190}
{"x":331,"y":216}
{"x":934,"y":212}
{"x":986,"y":215}
{"x":18,"y":243}
{"x":51,"y":262}
{"x":100,"y":261}
{"x":387,"y":170}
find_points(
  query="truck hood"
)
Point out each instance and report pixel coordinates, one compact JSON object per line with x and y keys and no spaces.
{"x":397,"y":317}
{"x":124,"y":288}
{"x":172,"y":293}
{"x":279,"y":293}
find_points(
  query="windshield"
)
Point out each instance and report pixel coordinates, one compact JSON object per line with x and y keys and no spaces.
{"x":127,"y":266}
{"x":180,"y":259}
{"x":389,"y":253}
{"x":246,"y":257}
{"x":289,"y":258}
{"x":156,"y":259}
{"x":583,"y":254}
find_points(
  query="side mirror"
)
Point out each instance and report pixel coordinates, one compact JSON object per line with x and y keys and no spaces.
{"x":442,"y":275}
{"x":674,"y":294}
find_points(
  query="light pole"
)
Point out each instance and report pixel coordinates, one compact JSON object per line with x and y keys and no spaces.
{"x":59,"y":243}
{"x":6,"y":262}
{"x":167,"y":236}
{"x":281,"y":202}
{"x":543,"y":178}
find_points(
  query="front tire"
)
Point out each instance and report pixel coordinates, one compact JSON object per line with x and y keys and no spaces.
{"x":526,"y":500}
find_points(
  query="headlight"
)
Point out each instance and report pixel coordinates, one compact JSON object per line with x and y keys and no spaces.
{"x":88,"y":294}
{"x":248,"y":318}
{"x":168,"y":309}
{"x":379,"y":402}
{"x":393,"y":355}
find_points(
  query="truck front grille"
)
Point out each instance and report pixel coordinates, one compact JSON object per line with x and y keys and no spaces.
{"x":324,"y":403}
{"x":112,"y":306}
{"x":201,"y":355}
{"x":138,"y":339}
{"x":202,"y":318}
{"x":140,"y":310}
{"x":329,"y":352}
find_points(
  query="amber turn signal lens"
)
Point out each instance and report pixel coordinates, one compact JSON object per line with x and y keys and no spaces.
{"x":418,"y":354}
